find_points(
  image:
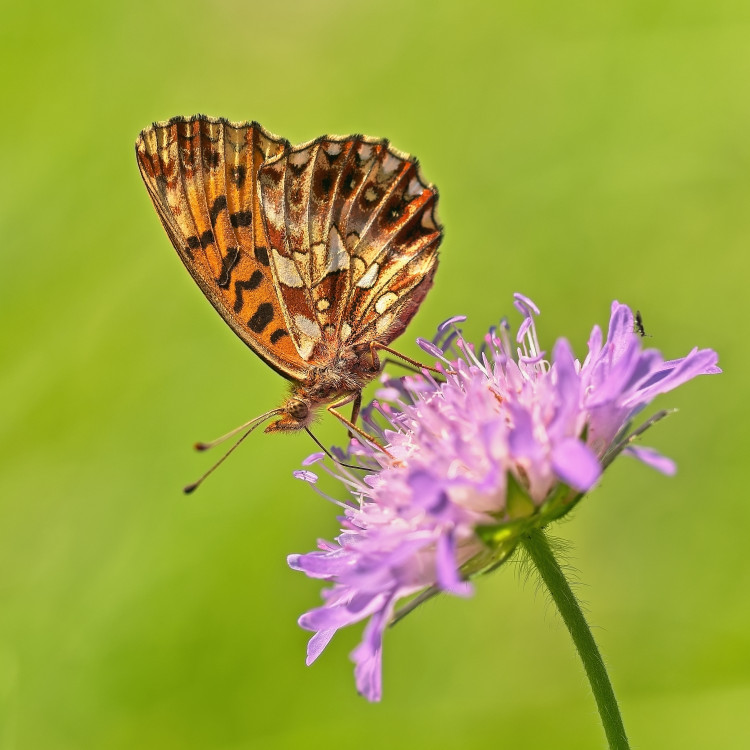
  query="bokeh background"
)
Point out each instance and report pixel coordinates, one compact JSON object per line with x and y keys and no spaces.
{"x":584,"y":152}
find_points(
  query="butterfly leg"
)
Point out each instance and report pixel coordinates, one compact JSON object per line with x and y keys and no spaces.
{"x":400,"y":363}
{"x":353,"y":428}
{"x":375,"y":345}
{"x":356,"y":405}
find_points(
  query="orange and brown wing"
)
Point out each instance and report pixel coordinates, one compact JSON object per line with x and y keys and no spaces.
{"x":353,"y":239}
{"x":202,"y":177}
{"x":394,"y":235}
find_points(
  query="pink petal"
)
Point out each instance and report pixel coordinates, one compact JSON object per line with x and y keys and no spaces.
{"x":652,"y":458}
{"x":575,"y":463}
{"x":317,"y":643}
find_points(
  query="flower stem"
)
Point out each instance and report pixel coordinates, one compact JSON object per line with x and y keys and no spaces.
{"x":539,"y":551}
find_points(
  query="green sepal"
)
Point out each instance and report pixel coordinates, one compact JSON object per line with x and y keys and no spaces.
{"x":517,"y":504}
{"x":559,"y":503}
{"x":519,"y":517}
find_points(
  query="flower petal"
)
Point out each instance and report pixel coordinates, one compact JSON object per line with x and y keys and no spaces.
{"x":317,"y":644}
{"x":306,"y":476}
{"x":679,"y":371}
{"x":652,"y":458}
{"x":314,"y":458}
{"x":450,"y":322}
{"x":430,"y":348}
{"x":368,"y":656}
{"x":524,"y":304}
{"x":447,"y":574}
{"x":576,"y":464}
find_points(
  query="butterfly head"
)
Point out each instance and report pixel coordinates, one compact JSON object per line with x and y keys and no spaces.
{"x":296,"y":414}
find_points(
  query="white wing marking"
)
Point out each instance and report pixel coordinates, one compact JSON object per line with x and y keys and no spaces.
{"x":369,"y":279}
{"x":338,"y":257}
{"x":309,"y":327}
{"x":286,"y":270}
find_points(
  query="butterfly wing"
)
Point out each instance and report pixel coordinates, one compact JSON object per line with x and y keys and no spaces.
{"x":202,"y":177}
{"x":353,"y":234}
{"x":394,"y":234}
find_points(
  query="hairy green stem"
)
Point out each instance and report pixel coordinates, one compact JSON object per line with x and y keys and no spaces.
{"x":541,"y":554}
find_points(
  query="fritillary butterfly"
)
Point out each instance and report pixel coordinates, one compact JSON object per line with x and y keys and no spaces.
{"x":316,"y":255}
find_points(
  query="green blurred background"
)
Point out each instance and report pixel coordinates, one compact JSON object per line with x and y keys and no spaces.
{"x":584,"y":152}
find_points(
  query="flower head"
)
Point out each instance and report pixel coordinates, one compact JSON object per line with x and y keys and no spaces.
{"x":509,"y":441}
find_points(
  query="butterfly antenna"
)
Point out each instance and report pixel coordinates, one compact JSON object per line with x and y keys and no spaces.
{"x":232,"y":433}
{"x":252,"y":424}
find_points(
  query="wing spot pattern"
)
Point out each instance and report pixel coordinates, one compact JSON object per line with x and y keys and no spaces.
{"x":370,"y":277}
{"x":349,"y":185}
{"x":309,"y":327}
{"x":261,"y":255}
{"x":241,"y":219}
{"x":277,"y":335}
{"x":219,"y":205}
{"x":211,"y":159}
{"x":238,"y":175}
{"x":261,"y":318}
{"x":193,"y":243}
{"x":228,"y":262}
{"x":371,"y":195}
{"x":286,"y":270}
{"x":384,"y":302}
{"x":240,"y":286}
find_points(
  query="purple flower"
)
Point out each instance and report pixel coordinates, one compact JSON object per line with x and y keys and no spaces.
{"x":509,"y":441}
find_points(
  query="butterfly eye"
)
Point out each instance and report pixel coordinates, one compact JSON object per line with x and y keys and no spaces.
{"x":297,"y":409}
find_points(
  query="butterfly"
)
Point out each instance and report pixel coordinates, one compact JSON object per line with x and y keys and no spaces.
{"x":317,"y":256}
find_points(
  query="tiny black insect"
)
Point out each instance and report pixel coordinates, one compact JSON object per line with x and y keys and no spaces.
{"x":638,"y":324}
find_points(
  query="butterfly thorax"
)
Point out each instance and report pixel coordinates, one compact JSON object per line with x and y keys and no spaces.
{"x":338,"y":377}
